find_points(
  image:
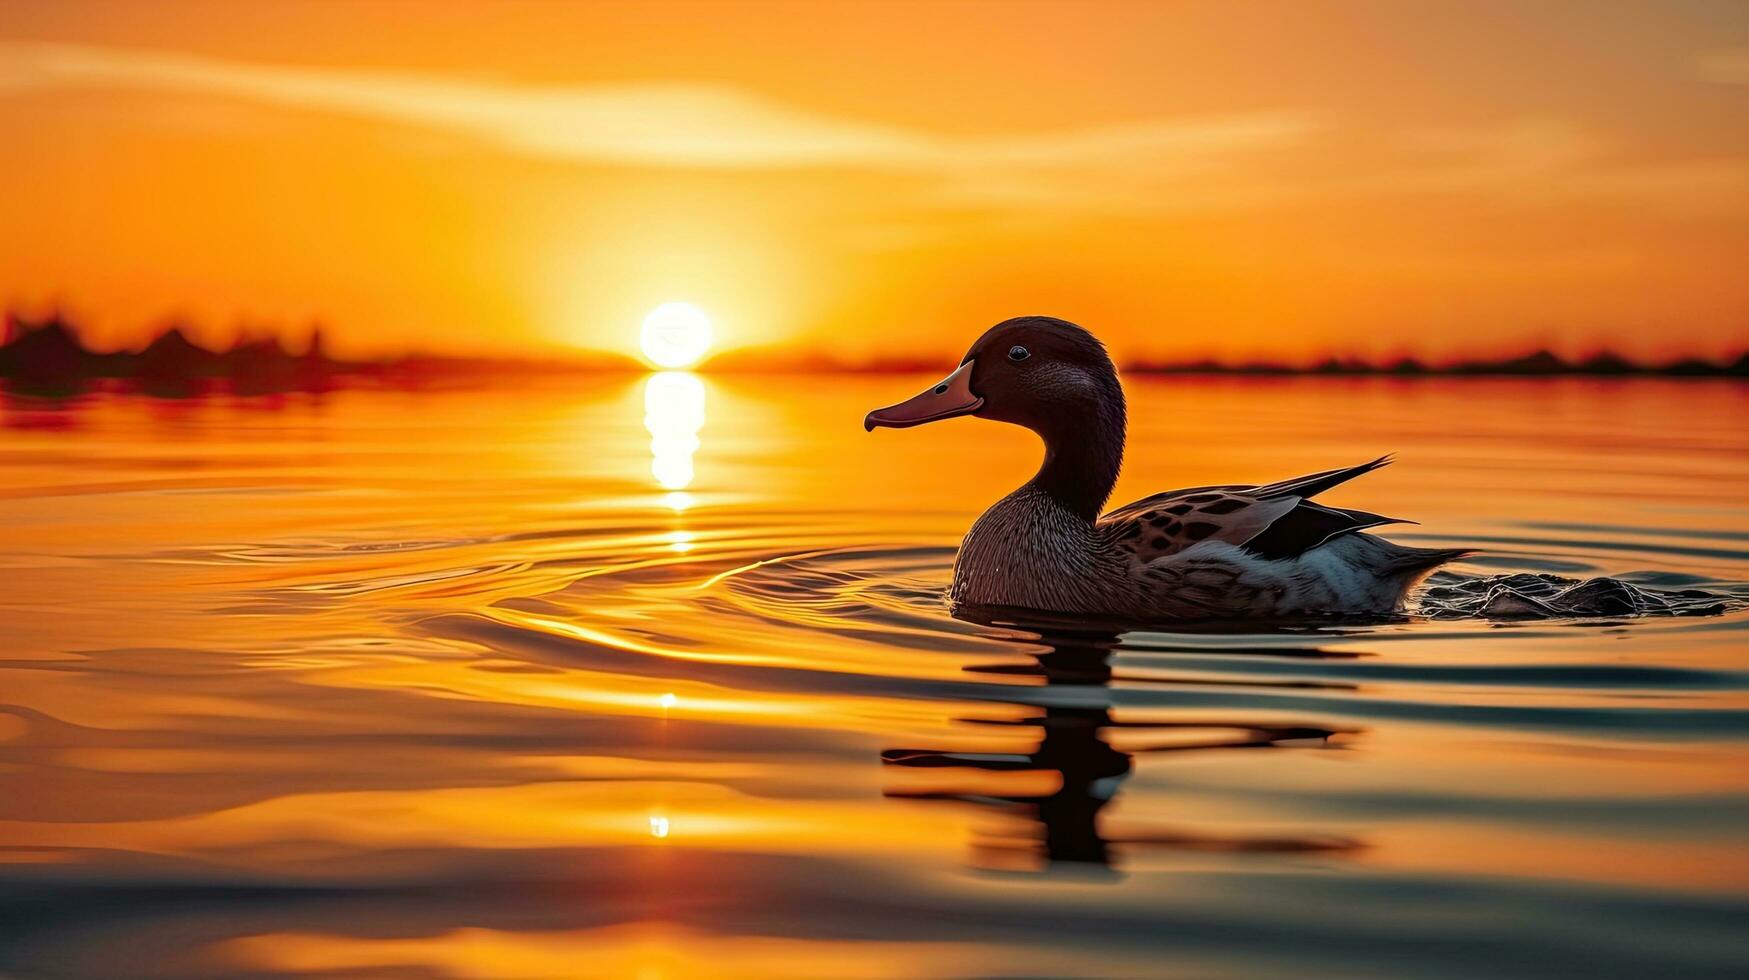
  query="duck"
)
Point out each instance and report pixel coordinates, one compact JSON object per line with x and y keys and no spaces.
{"x":1227,"y":552}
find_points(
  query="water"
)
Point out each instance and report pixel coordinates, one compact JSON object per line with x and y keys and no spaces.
{"x":649,"y":677}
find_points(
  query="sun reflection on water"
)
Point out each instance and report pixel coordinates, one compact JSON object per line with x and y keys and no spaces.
{"x":674,"y":414}
{"x":677,"y":500}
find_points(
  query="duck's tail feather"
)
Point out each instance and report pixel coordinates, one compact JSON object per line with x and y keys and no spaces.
{"x":1417,"y":562}
{"x":1316,"y":483}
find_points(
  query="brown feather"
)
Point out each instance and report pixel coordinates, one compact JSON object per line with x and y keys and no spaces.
{"x":1161,"y":526}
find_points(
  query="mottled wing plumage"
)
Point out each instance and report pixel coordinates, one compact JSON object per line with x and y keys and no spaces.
{"x":1274,"y":521}
{"x":1160,"y":500}
{"x":1168,"y":523}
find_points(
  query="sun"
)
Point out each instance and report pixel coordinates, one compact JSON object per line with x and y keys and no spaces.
{"x":675,"y":335}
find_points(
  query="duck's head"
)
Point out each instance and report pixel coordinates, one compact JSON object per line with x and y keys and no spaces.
{"x":1048,"y":375}
{"x":1035,"y":371}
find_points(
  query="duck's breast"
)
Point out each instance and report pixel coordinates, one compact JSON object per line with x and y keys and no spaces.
{"x":1029,"y":551}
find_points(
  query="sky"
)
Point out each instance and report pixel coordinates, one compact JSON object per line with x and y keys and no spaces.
{"x":876,"y":181}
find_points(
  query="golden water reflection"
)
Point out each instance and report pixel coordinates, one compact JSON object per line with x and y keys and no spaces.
{"x":674,"y":412}
{"x":307,"y":690}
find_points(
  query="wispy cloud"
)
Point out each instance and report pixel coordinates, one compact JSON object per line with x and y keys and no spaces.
{"x":1240,"y":160}
{"x":1547,"y":160}
{"x":649,"y":124}
{"x":1726,"y":66}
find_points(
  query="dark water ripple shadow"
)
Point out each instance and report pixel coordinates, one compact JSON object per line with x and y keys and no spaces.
{"x":1357,"y":924}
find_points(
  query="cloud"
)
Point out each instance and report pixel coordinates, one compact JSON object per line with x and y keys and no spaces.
{"x":1543,"y":160}
{"x":650,"y":124}
{"x":1726,"y":66}
{"x":1234,"y":161}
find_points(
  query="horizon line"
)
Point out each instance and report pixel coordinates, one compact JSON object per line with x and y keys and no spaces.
{"x":770,"y":359}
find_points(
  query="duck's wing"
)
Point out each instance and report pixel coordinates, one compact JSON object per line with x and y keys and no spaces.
{"x":1272,"y":521}
{"x":1309,"y":525}
{"x":1170,"y":522}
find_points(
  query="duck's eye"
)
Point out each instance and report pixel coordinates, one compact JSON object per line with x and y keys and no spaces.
{"x":1018,"y":353}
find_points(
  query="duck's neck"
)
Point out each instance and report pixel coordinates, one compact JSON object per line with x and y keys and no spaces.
{"x":1082,"y":457}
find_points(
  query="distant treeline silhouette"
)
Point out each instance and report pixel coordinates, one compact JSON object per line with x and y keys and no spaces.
{"x":50,"y":356}
{"x":1539,"y":364}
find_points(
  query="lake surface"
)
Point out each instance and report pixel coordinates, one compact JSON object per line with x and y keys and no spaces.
{"x":653,"y":676}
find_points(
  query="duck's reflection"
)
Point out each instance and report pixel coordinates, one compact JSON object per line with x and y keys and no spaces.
{"x":1073,"y":712}
{"x":1072,"y":746}
{"x":674,"y":410}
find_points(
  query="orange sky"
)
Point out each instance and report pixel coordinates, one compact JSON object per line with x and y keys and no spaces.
{"x":1189,"y":179}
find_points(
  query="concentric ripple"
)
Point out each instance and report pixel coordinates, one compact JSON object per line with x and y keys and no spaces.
{"x":459,"y":684}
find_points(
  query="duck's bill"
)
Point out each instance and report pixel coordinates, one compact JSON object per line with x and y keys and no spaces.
{"x":950,"y":397}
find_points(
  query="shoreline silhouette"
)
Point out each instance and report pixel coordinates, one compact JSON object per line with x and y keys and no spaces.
{"x":50,"y":356}
{"x":1541,"y":363}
